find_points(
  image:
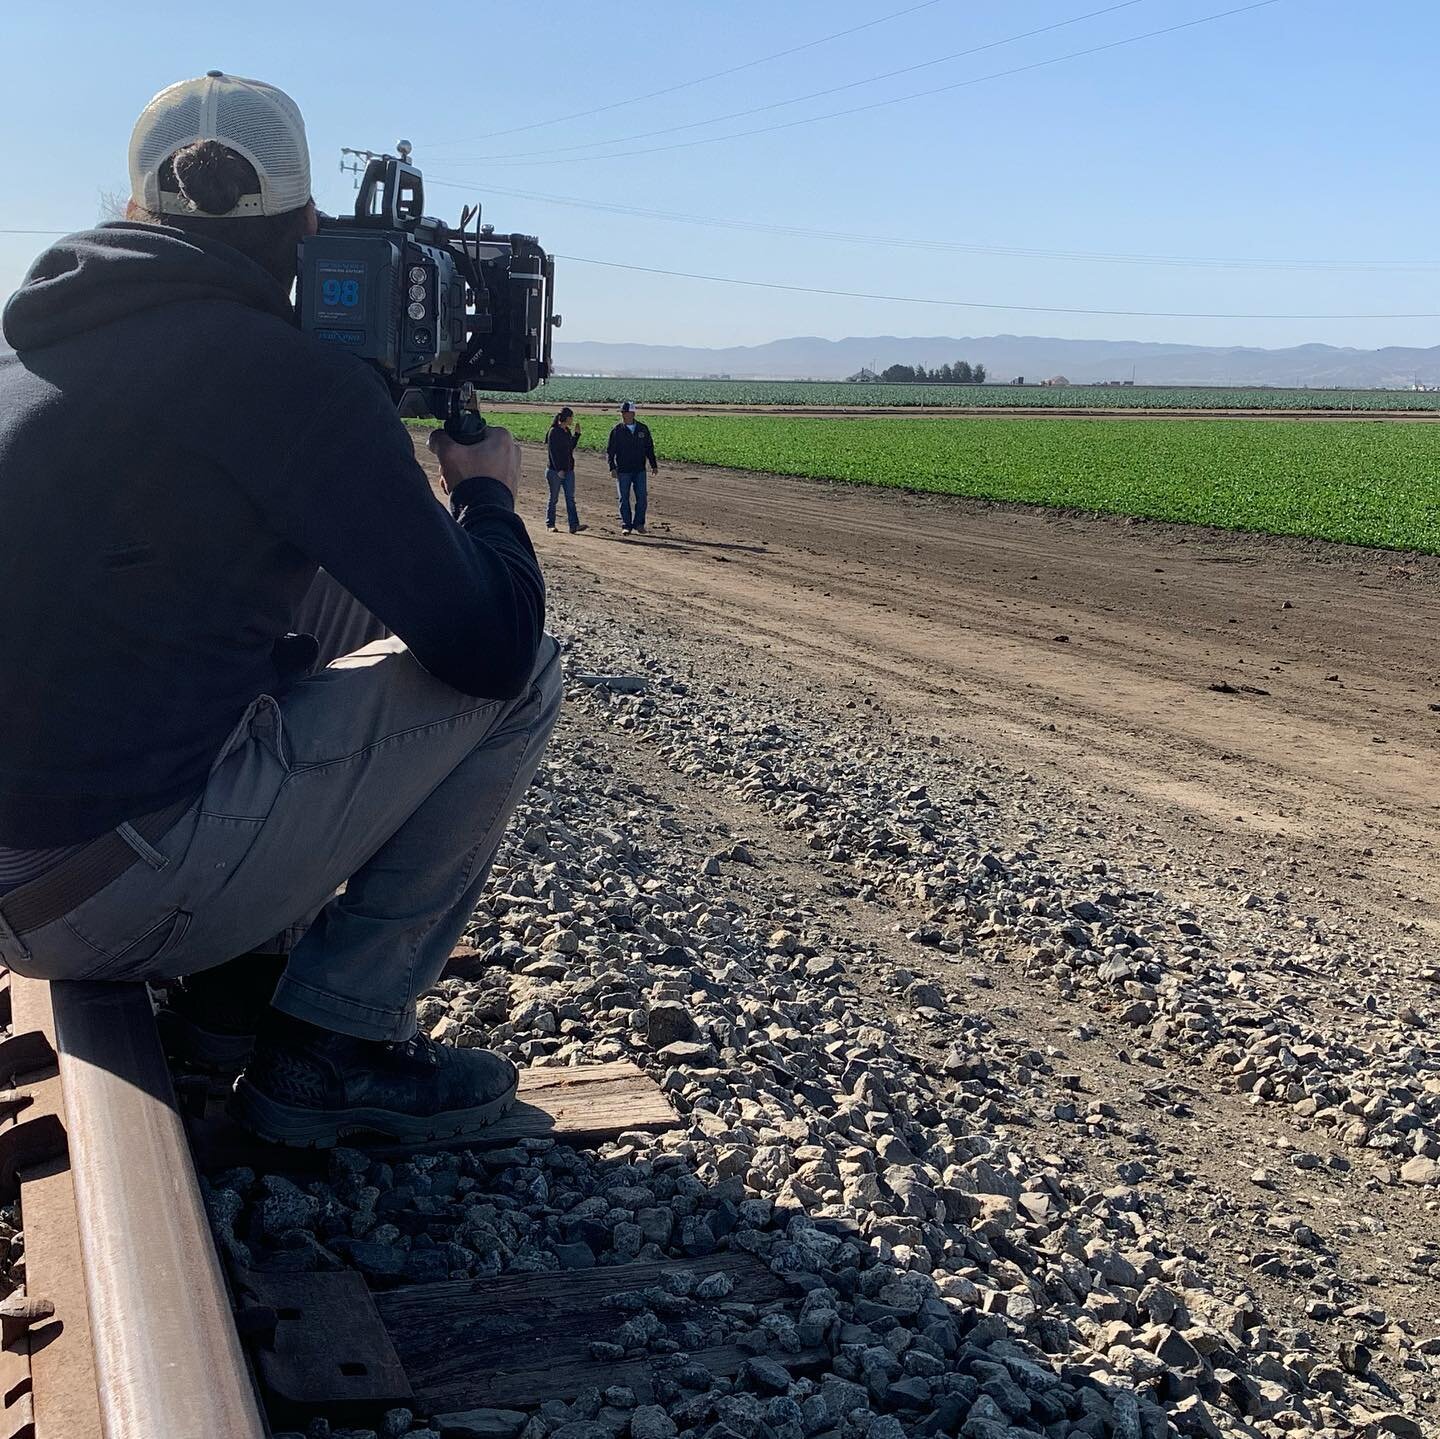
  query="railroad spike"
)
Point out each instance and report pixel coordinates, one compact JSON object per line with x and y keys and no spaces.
{"x":24,"y":1144}
{"x":12,"y":1101}
{"x":24,"y":1052}
{"x":20,"y":1313}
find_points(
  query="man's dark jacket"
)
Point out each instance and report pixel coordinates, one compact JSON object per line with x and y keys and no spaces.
{"x":628,"y":453}
{"x":176,"y":459}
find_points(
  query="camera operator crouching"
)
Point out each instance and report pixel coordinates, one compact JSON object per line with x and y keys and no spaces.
{"x":209,"y":523}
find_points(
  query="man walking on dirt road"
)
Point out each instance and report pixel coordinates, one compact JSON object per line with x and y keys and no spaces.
{"x":629,"y":451}
{"x":203,"y":739}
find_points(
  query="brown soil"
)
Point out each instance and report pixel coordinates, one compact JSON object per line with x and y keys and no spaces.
{"x":1083,"y":652}
{"x":1084,"y":648}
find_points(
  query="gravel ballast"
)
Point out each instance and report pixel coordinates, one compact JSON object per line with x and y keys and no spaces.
{"x":1050,"y":1130}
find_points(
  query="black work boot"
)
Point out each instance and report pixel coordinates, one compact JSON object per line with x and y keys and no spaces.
{"x":209,"y":1019}
{"x":311,"y":1088}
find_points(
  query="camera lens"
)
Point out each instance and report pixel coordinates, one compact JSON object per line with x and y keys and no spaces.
{"x":417,"y":274}
{"x":420,"y":339}
{"x":417,"y":292}
{"x":416,"y":311}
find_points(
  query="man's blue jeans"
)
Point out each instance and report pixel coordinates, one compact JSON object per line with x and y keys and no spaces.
{"x":370,"y":774}
{"x":559,"y":480}
{"x":625,"y":481}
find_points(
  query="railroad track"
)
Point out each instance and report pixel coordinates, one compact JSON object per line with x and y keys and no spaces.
{"x":131,"y":1327}
{"x":127,"y":1329}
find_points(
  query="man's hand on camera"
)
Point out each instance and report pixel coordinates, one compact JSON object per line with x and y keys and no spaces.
{"x":496,"y":457}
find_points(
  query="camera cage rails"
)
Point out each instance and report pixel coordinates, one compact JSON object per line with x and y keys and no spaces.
{"x":439,"y":311}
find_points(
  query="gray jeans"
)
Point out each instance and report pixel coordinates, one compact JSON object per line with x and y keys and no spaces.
{"x":369,"y":774}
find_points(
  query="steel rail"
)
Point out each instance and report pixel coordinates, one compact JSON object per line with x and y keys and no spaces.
{"x":168,"y":1359}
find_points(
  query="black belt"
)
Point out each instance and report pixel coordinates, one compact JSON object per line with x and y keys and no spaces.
{"x":56,"y":892}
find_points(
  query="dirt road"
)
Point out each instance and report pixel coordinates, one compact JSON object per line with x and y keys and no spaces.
{"x":1086,"y":649}
{"x":1051,"y":676}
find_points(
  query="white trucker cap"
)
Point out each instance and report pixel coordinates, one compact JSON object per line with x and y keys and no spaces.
{"x":250,"y":117}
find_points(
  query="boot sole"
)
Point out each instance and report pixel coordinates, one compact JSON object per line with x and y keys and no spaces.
{"x":301,"y":1128}
{"x":203,"y":1048}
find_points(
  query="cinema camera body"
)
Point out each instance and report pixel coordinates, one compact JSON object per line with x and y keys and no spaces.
{"x":439,"y":311}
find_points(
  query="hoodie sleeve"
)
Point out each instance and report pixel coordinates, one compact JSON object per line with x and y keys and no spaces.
{"x":465,"y":593}
{"x":650,"y":449}
{"x":610,"y":447}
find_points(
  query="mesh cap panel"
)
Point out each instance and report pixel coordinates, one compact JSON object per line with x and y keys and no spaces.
{"x":254,"y":119}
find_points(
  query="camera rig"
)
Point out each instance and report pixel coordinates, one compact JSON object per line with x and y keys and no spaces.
{"x":439,"y":311}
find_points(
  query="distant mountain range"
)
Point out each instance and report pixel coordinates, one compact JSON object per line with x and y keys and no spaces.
{"x":1006,"y":357}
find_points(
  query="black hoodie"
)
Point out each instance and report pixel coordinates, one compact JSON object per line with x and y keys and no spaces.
{"x":176,"y":459}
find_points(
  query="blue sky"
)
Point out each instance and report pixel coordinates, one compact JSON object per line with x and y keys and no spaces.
{"x":1296,"y":132}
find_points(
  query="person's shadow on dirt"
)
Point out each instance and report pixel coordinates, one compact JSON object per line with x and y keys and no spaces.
{"x":680,"y":542}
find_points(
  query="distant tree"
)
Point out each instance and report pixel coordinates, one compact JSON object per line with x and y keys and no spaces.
{"x":962,"y":372}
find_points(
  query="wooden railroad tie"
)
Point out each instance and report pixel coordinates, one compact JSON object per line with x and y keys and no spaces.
{"x":323,"y":1343}
{"x":583,"y":1107}
{"x":326,"y":1345}
{"x":47,"y":1372}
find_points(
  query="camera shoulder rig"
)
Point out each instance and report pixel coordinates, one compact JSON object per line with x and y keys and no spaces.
{"x":439,"y":311}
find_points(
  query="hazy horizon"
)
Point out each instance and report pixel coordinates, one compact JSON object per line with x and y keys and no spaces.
{"x":1007,"y":356}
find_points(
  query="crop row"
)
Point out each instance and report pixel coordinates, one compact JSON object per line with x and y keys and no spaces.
{"x":582,"y":390}
{"x":1360,"y":483}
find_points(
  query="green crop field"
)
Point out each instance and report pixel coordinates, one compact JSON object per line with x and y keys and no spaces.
{"x":585,"y":391}
{"x":1360,"y":483}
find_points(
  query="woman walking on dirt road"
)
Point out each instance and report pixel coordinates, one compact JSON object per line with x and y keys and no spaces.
{"x":560,"y":467}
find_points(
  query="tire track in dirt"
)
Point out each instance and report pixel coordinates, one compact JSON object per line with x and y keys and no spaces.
{"x":946,"y":614}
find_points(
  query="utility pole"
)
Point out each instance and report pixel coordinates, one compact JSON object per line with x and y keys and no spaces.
{"x":359,"y":159}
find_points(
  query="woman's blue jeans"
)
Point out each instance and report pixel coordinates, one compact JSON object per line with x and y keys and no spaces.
{"x":558,"y":480}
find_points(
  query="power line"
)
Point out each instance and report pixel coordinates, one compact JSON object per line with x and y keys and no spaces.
{"x":1176,"y":261}
{"x":956,"y":246}
{"x":818,"y":94}
{"x":965,"y":304}
{"x":901,"y":99}
{"x":944,"y":246}
{"x":919,"y":299}
{"x":699,"y":80}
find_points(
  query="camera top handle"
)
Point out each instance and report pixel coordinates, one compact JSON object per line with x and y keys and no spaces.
{"x":392,"y":192}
